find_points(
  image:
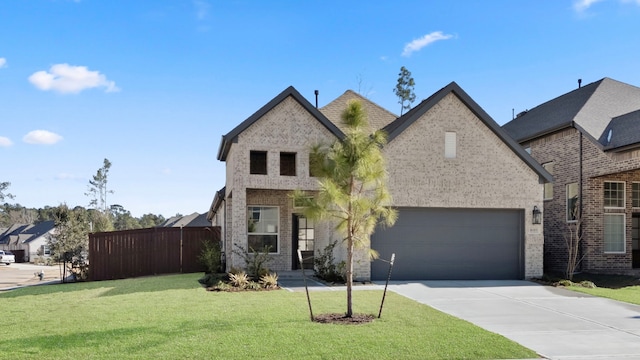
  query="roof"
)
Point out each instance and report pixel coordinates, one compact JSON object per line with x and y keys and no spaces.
{"x":232,"y":136}
{"x":589,"y":108}
{"x":622,"y":131}
{"x":217,"y":201}
{"x":402,"y":123}
{"x":194,"y":219}
{"x":25,"y":233}
{"x":377,"y":116}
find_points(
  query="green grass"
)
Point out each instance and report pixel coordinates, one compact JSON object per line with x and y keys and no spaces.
{"x":630,"y":294}
{"x":169,"y":317}
{"x":617,"y":287}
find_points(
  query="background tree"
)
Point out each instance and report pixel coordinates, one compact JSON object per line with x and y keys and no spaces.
{"x":404,"y":89}
{"x":3,"y":191}
{"x":150,"y":220}
{"x":97,"y":189}
{"x":70,"y":244}
{"x":122,"y":219}
{"x":352,"y":180}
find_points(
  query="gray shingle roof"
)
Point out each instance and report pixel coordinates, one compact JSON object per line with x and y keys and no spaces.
{"x":622,"y":131}
{"x":25,"y":233}
{"x":403,"y":122}
{"x":378,"y":116}
{"x":589,"y":108}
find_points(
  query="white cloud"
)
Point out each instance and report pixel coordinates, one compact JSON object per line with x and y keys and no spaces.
{"x":69,"y":79}
{"x":419,"y":43}
{"x":41,"y":137}
{"x":3,"y":63}
{"x":582,"y":5}
{"x":5,"y":141}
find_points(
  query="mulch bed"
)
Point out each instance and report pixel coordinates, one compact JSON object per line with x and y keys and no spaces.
{"x":355,"y":319}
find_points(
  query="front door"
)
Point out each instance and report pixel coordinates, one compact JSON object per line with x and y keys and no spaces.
{"x":635,"y":240}
{"x":303,"y":239}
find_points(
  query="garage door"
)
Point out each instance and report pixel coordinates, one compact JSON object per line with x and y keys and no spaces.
{"x":452,"y":244}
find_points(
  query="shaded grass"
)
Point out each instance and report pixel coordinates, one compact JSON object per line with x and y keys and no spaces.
{"x":174,"y":317}
{"x":617,"y":287}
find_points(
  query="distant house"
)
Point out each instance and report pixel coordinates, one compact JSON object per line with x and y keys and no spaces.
{"x":192,"y":220}
{"x":28,"y":240}
{"x":465,"y":191}
{"x":589,"y":139}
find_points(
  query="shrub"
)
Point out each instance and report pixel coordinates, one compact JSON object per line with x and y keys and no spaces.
{"x":210,"y":256}
{"x":255,"y":260}
{"x":587,"y":284}
{"x":240,"y":280}
{"x":564,"y":283}
{"x":252,"y":285}
{"x":325,"y":266}
{"x":269,"y":281}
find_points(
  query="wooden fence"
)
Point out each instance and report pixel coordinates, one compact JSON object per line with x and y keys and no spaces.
{"x":142,"y":252}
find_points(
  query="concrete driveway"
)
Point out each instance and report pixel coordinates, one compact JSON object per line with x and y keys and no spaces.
{"x":23,"y":274}
{"x":554,"y":322}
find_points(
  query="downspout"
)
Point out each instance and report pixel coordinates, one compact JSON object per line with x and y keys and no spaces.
{"x":580,"y":234}
{"x":224,"y":236}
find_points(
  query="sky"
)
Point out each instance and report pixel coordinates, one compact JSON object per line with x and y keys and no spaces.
{"x":152,"y":85}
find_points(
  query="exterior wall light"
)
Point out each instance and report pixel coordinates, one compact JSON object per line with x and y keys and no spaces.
{"x":537,"y":215}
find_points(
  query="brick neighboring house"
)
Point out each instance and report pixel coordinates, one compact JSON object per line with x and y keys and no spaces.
{"x":465,"y":191}
{"x":589,"y":139}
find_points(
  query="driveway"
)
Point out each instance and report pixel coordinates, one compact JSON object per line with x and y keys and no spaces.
{"x":554,"y":322}
{"x":23,"y":274}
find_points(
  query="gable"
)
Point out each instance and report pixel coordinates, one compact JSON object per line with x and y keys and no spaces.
{"x":484,"y":171}
{"x":377,"y":116}
{"x":288,"y":93}
{"x":401,"y":125}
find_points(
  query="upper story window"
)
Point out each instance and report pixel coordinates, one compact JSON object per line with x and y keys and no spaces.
{"x":614,"y":194}
{"x":450,"y":145}
{"x":548,"y":187}
{"x":258,"y":162}
{"x":572,"y":202}
{"x":288,"y":164}
{"x":635,"y":194}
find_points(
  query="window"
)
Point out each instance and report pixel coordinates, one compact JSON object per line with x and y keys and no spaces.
{"x":635,"y":194}
{"x":306,"y":234}
{"x":572,"y":202}
{"x":258,"y":162}
{"x":548,"y":187}
{"x":449,"y":145}
{"x":614,"y":233}
{"x":46,"y":251}
{"x":613,"y":194}
{"x":262,"y":228}
{"x":288,"y":164}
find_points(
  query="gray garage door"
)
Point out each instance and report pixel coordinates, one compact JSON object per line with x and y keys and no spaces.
{"x":452,"y":244}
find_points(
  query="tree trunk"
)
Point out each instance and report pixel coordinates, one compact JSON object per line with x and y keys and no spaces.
{"x":349,"y":275}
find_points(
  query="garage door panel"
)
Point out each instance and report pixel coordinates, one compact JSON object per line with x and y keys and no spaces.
{"x":435,"y":243}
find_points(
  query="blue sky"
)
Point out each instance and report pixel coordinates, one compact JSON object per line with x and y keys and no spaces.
{"x":152,"y":85}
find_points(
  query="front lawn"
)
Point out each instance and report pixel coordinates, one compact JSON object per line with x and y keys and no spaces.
{"x":169,"y":317}
{"x":618,"y":287}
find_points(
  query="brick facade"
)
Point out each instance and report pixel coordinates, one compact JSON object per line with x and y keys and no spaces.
{"x":485,"y":174}
{"x":578,"y":159}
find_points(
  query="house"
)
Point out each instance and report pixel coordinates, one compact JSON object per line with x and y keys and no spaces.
{"x":27,"y":241}
{"x":589,"y":139}
{"x":192,"y":220}
{"x":465,"y":191}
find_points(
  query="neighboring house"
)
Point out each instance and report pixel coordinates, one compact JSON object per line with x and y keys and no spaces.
{"x":31,"y":239}
{"x":589,"y":139}
{"x":465,"y":191}
{"x":192,"y":220}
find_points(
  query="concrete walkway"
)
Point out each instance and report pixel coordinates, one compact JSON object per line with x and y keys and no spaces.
{"x":23,"y":274}
{"x":556,"y":323}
